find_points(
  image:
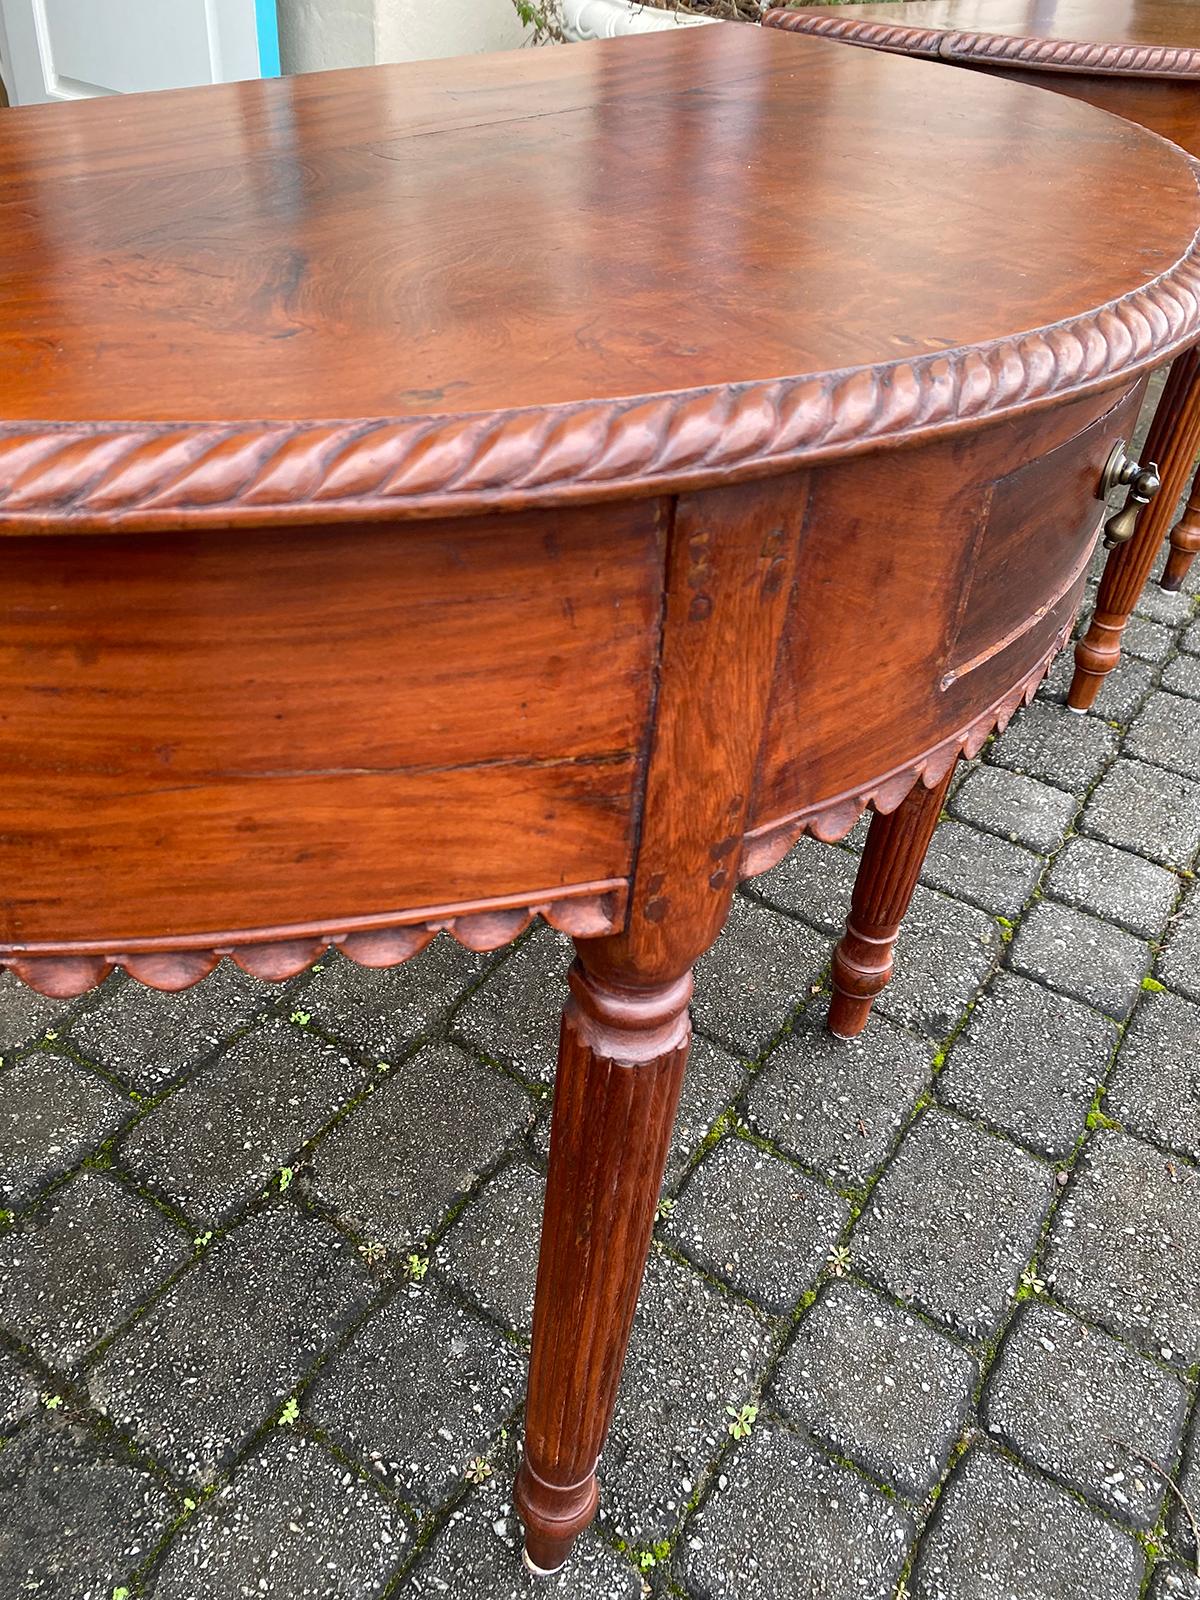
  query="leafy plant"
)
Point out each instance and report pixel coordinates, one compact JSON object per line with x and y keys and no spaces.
{"x":743,"y":1420}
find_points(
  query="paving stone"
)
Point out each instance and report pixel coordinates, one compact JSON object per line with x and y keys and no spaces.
{"x":980,"y":868}
{"x":491,"y":1252}
{"x":1166,"y":732}
{"x":25,"y":1014}
{"x":514,"y":1016}
{"x":693,"y":1353}
{"x":944,"y":952}
{"x":1146,"y":639}
{"x":1125,"y":1246}
{"x":1174,"y":1583}
{"x":476,"y":1556}
{"x":1179,"y":961}
{"x":952,"y":1222}
{"x":240,"y":1118}
{"x":784,"y":1521}
{"x":1121,"y":693}
{"x":1155,"y":1088}
{"x":231,"y":1339}
{"x":1028,"y":1062}
{"x":74,"y":1519}
{"x":1081,"y":956}
{"x":395,"y":1165}
{"x":150,"y":1038}
{"x":460,"y":1382}
{"x":1182,"y":1526}
{"x":383,"y":1009}
{"x":760,"y":967}
{"x":1145,"y":809}
{"x":293,"y":1523}
{"x":877,"y":1386}
{"x":18,"y":1391}
{"x":1182,"y":676}
{"x":1047,"y":742}
{"x":838,"y":1104}
{"x":1191,"y":639}
{"x":1022,"y":809}
{"x":1000,"y":1534}
{"x":814,"y":881}
{"x":1162,"y":605}
{"x":77,"y":1267}
{"x":1083,"y":1408}
{"x":1114,"y":884}
{"x":53,"y":1113}
{"x":712,"y":1080}
{"x":753,"y":1220}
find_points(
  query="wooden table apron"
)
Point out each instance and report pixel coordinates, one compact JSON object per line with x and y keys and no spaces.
{"x":272,"y":683}
{"x":1142,"y":63}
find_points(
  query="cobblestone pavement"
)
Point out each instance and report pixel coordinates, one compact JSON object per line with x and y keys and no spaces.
{"x":922,"y":1315}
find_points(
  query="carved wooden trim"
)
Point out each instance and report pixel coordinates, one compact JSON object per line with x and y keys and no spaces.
{"x":896,"y":36}
{"x":99,"y":476}
{"x":1047,"y":55}
{"x":586,"y":911}
{"x":1065,"y":55}
{"x":766,"y":846}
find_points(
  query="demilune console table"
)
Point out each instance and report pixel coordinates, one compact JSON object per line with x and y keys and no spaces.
{"x":433,"y":497}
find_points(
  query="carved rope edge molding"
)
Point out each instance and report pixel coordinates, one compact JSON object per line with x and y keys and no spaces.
{"x":1061,"y":55}
{"x":156,"y":475}
{"x":766,"y":847}
{"x":65,"y":976}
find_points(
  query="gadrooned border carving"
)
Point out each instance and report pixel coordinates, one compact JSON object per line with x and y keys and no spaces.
{"x":766,"y":846}
{"x":68,"y":974}
{"x":98,"y":476}
{"x":1051,"y":55}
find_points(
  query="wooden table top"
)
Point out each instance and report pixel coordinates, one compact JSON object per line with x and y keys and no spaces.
{"x":1140,"y":38}
{"x":507,"y":278}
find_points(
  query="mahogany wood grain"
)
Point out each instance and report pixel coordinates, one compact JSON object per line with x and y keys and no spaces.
{"x":275,"y":726}
{"x":1140,"y":61}
{"x":416,"y":515}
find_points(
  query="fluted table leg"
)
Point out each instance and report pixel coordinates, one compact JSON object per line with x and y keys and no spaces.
{"x":1185,"y":542}
{"x":625,"y":1032}
{"x":887,"y":875}
{"x":621,"y":1059}
{"x":1173,"y":442}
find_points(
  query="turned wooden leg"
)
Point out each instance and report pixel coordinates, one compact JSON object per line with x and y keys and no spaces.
{"x":1173,"y":442}
{"x":620,"y":1065}
{"x":887,"y":875}
{"x":1185,"y":542}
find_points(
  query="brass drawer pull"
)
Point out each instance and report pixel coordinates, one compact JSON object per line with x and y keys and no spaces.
{"x":1144,"y":483}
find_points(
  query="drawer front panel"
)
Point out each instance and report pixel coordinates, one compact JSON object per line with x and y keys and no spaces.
{"x":1035,"y":537}
{"x":225,"y":731}
{"x":931,"y":582}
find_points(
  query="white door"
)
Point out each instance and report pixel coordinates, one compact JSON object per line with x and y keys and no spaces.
{"x":72,"y":49}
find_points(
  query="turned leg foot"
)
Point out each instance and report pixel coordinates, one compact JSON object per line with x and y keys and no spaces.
{"x":887,"y":875}
{"x":622,"y":1052}
{"x":1173,"y":443}
{"x":1185,"y":543}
